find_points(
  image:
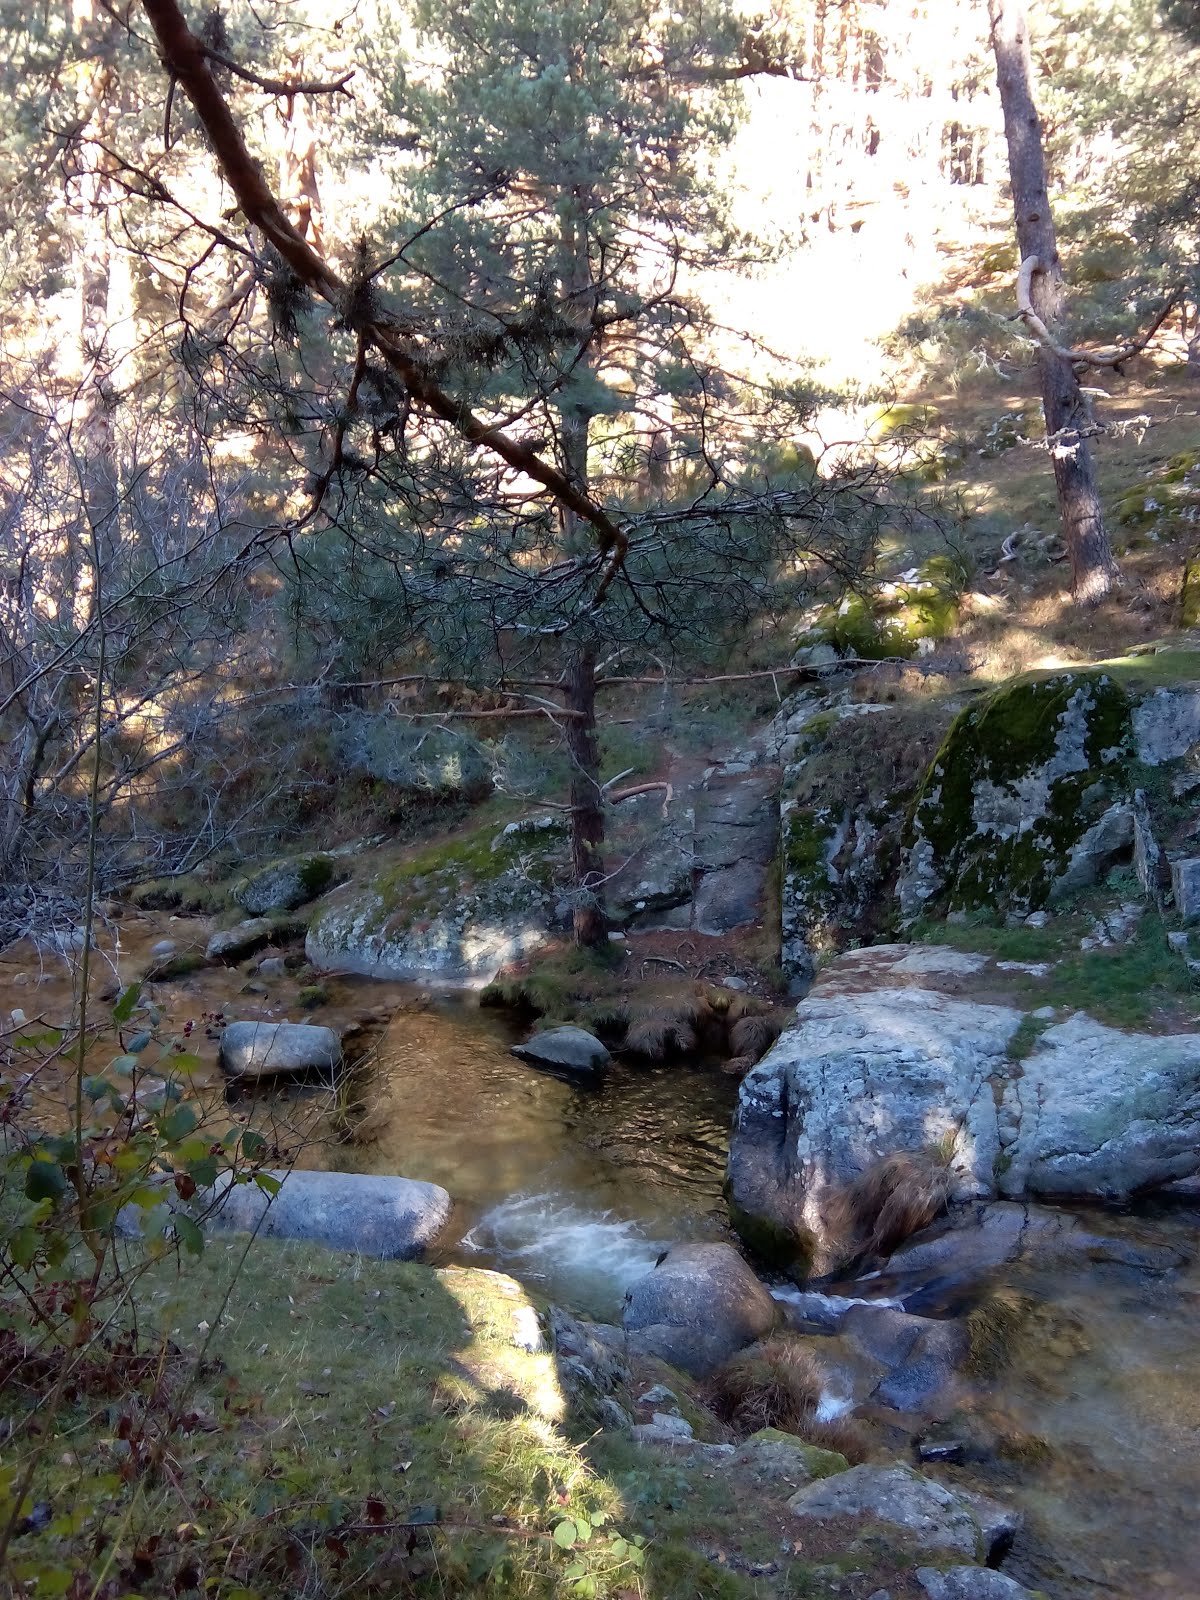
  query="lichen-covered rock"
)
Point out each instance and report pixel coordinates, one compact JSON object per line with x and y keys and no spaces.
{"x":782,"y":1457}
{"x":284,"y":885}
{"x":1025,"y":801}
{"x":454,"y":914}
{"x":881,"y":1061}
{"x":426,"y":763}
{"x":700,"y":1305}
{"x":852,"y":770}
{"x":932,"y":1516}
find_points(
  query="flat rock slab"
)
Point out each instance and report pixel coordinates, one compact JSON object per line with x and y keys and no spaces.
{"x":278,"y":1050}
{"x":232,"y":945}
{"x":575,"y":1049}
{"x":391,"y":1219}
{"x":699,"y":1306}
{"x":969,"y":1583}
{"x":933,"y":1516}
{"x":737,"y":830}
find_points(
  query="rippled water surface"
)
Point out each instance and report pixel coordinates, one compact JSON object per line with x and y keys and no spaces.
{"x":573,"y":1184}
{"x":577,"y":1187}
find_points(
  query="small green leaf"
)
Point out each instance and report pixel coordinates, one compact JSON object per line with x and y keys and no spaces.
{"x":268,"y":1184}
{"x":188,"y":1234}
{"x":123,"y":1009}
{"x":252,"y":1142}
{"x":184,"y":1062}
{"x":23,"y":1246}
{"x":564,"y":1534}
{"x":179,"y":1124}
{"x":125,"y":1065}
{"x":47,"y":1040}
{"x":138,"y":1043}
{"x":45,"y":1180}
{"x":203,"y":1171}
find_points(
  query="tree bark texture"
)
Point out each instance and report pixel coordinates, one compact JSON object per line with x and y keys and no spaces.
{"x":589,"y":922}
{"x":1093,"y":569}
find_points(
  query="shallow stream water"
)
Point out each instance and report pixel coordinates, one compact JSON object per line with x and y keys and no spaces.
{"x":577,"y":1187}
{"x":574,"y":1185}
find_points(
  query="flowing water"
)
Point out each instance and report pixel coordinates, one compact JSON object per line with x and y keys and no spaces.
{"x":576,"y":1187}
{"x":573,"y":1184}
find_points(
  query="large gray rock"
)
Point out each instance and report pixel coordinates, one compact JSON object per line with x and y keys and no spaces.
{"x":428,"y":763}
{"x":393,"y":1219}
{"x":1102,"y":1112}
{"x":452,"y":916}
{"x":278,"y":1050}
{"x":284,"y":885}
{"x":870,"y":1068}
{"x":700,"y":1305}
{"x":573,"y":1048}
{"x":862,"y":1072}
{"x":932,"y":1516}
{"x":970,"y":1583}
{"x":231,"y":945}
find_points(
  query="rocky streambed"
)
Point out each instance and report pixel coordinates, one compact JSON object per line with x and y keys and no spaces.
{"x":1041,"y":1355}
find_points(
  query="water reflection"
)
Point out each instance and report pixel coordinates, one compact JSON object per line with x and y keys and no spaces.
{"x":575,"y":1184}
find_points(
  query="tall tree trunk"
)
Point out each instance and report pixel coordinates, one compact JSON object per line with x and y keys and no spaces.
{"x":1093,"y":569}
{"x":91,"y":416}
{"x":590,"y":924}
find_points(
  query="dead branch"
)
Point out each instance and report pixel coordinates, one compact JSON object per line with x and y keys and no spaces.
{"x":1079,"y":358}
{"x":642,"y":788}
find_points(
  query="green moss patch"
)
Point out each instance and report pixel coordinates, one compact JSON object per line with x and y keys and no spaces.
{"x":1017,"y":783}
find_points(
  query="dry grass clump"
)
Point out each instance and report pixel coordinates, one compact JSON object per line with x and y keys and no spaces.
{"x":776,"y":1384}
{"x":753,"y":1036}
{"x":667,"y":1027}
{"x":842,"y":1434}
{"x":894,"y":1198}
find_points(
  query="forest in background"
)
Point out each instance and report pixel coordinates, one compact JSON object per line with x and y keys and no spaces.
{"x":421,"y":413}
{"x":687,"y":260}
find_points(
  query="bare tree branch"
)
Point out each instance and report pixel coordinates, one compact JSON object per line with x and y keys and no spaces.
{"x":1080,"y":358}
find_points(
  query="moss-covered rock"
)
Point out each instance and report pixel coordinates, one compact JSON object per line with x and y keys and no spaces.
{"x":1166,"y":502}
{"x":454,"y":912}
{"x":1025,"y":800}
{"x":888,"y":621}
{"x":810,"y":838}
{"x":284,"y":885}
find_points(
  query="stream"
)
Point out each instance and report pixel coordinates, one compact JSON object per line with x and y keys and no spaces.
{"x":576,"y":1187}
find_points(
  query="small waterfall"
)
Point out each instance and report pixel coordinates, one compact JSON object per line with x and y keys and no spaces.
{"x":588,"y":1256}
